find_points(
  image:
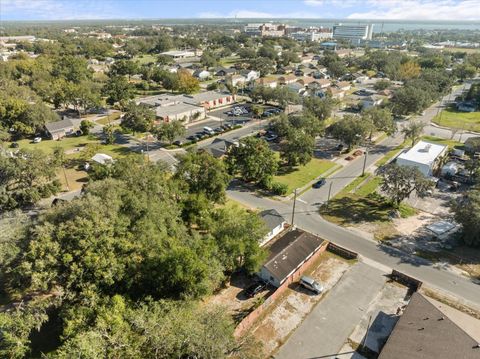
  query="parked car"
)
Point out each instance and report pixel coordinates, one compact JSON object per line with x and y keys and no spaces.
{"x":14,"y":145}
{"x":37,"y":140}
{"x":271,"y":137}
{"x":192,"y":138}
{"x":255,"y":288}
{"x":319,"y":183}
{"x":339,"y":147}
{"x":267,"y":114}
{"x":208,"y":130}
{"x":311,"y":284}
{"x":178,"y":143}
{"x":218,"y":130}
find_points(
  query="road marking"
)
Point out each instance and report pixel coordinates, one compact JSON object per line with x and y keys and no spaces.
{"x":301,"y":200}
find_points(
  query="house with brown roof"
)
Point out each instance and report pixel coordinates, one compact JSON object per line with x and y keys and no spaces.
{"x":271,"y":82}
{"x":288,"y":254}
{"x":336,"y":93}
{"x":425,"y":332}
{"x":287,"y":79}
{"x":344,"y":85}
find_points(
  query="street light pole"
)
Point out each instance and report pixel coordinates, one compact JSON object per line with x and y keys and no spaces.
{"x":329,"y":192}
{"x":364,"y":161}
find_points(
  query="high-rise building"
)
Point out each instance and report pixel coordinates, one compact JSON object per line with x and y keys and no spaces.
{"x":353,"y":32}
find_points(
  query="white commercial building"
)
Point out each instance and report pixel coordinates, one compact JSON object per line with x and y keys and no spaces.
{"x":178,"y":54}
{"x":425,"y":156}
{"x":353,"y":32}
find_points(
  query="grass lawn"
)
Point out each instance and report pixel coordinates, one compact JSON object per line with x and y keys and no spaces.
{"x":228,"y":61}
{"x":357,"y":205}
{"x":144,"y":59}
{"x":76,"y":178}
{"x":443,"y":141}
{"x":107,"y":119}
{"x":300,"y":176}
{"x":461,"y":120}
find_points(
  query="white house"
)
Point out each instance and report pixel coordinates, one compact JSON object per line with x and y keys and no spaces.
{"x":372,"y":101}
{"x":202,"y":75}
{"x":60,"y":129}
{"x":425,"y":156}
{"x":274,"y":222}
{"x":236,"y":80}
{"x":250,"y":75}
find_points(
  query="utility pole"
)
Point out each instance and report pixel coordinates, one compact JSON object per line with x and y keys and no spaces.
{"x":365,"y":161}
{"x":294,"y":202}
{"x":329,"y":192}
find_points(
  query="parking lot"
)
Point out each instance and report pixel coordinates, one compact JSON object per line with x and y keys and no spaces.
{"x":219,"y":118}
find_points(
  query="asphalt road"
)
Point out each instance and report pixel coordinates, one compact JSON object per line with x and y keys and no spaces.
{"x":325,"y":330}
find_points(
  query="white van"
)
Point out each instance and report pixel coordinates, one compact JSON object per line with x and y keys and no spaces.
{"x":208,"y":130}
{"x":311,"y":284}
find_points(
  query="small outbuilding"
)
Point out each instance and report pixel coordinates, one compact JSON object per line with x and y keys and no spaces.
{"x":425,"y":156}
{"x":275,"y":223}
{"x":289,"y":254}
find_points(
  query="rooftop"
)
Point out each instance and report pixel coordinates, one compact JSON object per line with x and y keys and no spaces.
{"x":206,"y":96}
{"x":178,"y":53}
{"x":425,"y":332}
{"x":423,"y":152}
{"x":272,"y":218}
{"x":59,"y":125}
{"x":289,"y":251}
{"x":178,"y":108}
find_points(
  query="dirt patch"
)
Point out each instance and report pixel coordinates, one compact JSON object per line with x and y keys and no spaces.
{"x":408,"y":226}
{"x":294,"y":305}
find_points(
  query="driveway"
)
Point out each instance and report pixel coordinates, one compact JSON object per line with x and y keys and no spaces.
{"x":327,"y":327}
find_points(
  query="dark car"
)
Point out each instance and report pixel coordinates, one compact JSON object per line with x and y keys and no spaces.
{"x":178,"y":143}
{"x":14,"y":145}
{"x":192,"y":138}
{"x":218,"y":130}
{"x":255,"y":288}
{"x":319,"y":183}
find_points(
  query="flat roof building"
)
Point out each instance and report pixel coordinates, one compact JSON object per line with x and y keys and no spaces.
{"x":182,"y":111}
{"x":424,"y":155}
{"x":353,"y":32}
{"x":178,"y":54}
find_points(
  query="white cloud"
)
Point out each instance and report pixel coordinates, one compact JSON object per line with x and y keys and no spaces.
{"x":59,"y":9}
{"x":420,"y":10}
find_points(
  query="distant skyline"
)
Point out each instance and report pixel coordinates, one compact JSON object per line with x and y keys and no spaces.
{"x":454,"y":10}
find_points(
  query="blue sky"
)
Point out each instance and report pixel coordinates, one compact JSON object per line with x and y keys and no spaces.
{"x":156,"y":9}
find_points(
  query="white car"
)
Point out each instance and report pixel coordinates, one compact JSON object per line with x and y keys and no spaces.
{"x":37,"y":140}
{"x":311,"y":284}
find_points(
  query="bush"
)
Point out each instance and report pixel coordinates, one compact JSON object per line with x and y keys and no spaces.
{"x":279,"y":189}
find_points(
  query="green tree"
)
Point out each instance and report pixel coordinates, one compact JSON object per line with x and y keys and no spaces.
{"x":85,"y":126}
{"x":409,"y":99}
{"x":187,"y":83}
{"x":467,"y":213}
{"x":109,"y":134}
{"x":380,"y":120}
{"x":464,"y":71}
{"x":26,"y":178}
{"x":209,"y":59}
{"x":319,"y":107}
{"x":399,"y":182}
{"x":124,"y":68}
{"x":413,"y":131}
{"x":263,"y":65}
{"x":382,"y":84}
{"x":351,"y":130}
{"x":252,"y":159}
{"x":203,"y":173}
{"x":138,"y":118}
{"x":168,"y":131}
{"x":118,"y":89}
{"x":297,"y":149}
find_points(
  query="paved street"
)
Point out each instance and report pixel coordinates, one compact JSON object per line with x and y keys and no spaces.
{"x":327,"y":327}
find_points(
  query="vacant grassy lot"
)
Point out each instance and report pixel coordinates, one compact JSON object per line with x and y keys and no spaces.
{"x":228,"y":61}
{"x":461,"y":120}
{"x":359,"y":203}
{"x":298,"y":177}
{"x":144,"y":59}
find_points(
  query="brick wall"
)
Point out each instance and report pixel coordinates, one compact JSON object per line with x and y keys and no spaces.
{"x":253,"y":316}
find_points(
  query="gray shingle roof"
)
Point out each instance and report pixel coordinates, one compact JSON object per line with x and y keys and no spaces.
{"x":59,"y":125}
{"x":424,"y":332}
{"x":297,"y":247}
{"x":271,"y":218}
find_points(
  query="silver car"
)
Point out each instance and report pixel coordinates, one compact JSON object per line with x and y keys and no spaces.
{"x":311,"y":284}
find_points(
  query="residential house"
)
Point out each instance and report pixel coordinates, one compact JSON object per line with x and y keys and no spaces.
{"x":343,"y":85}
{"x":321,"y":83}
{"x":250,"y":75}
{"x":60,"y":129}
{"x":181,"y":111}
{"x":211,"y":99}
{"x":288,"y":254}
{"x":431,"y":330}
{"x":270,"y":81}
{"x":336,"y":93}
{"x":219,"y":147}
{"x":425,"y":156}
{"x":371,"y":101}
{"x":202,"y":75}
{"x":275,"y":223}
{"x":226,"y":71}
{"x":287,"y":79}
{"x":102,"y":158}
{"x":296,"y":87}
{"x":284,"y":70}
{"x":236,"y":80}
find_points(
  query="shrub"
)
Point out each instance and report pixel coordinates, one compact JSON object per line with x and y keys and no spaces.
{"x":279,"y":189}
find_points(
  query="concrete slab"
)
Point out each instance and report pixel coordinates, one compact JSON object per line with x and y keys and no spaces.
{"x":328,"y":326}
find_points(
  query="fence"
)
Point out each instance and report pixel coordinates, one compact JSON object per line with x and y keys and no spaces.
{"x":341,"y":251}
{"x":413,"y":283}
{"x":253,"y":316}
